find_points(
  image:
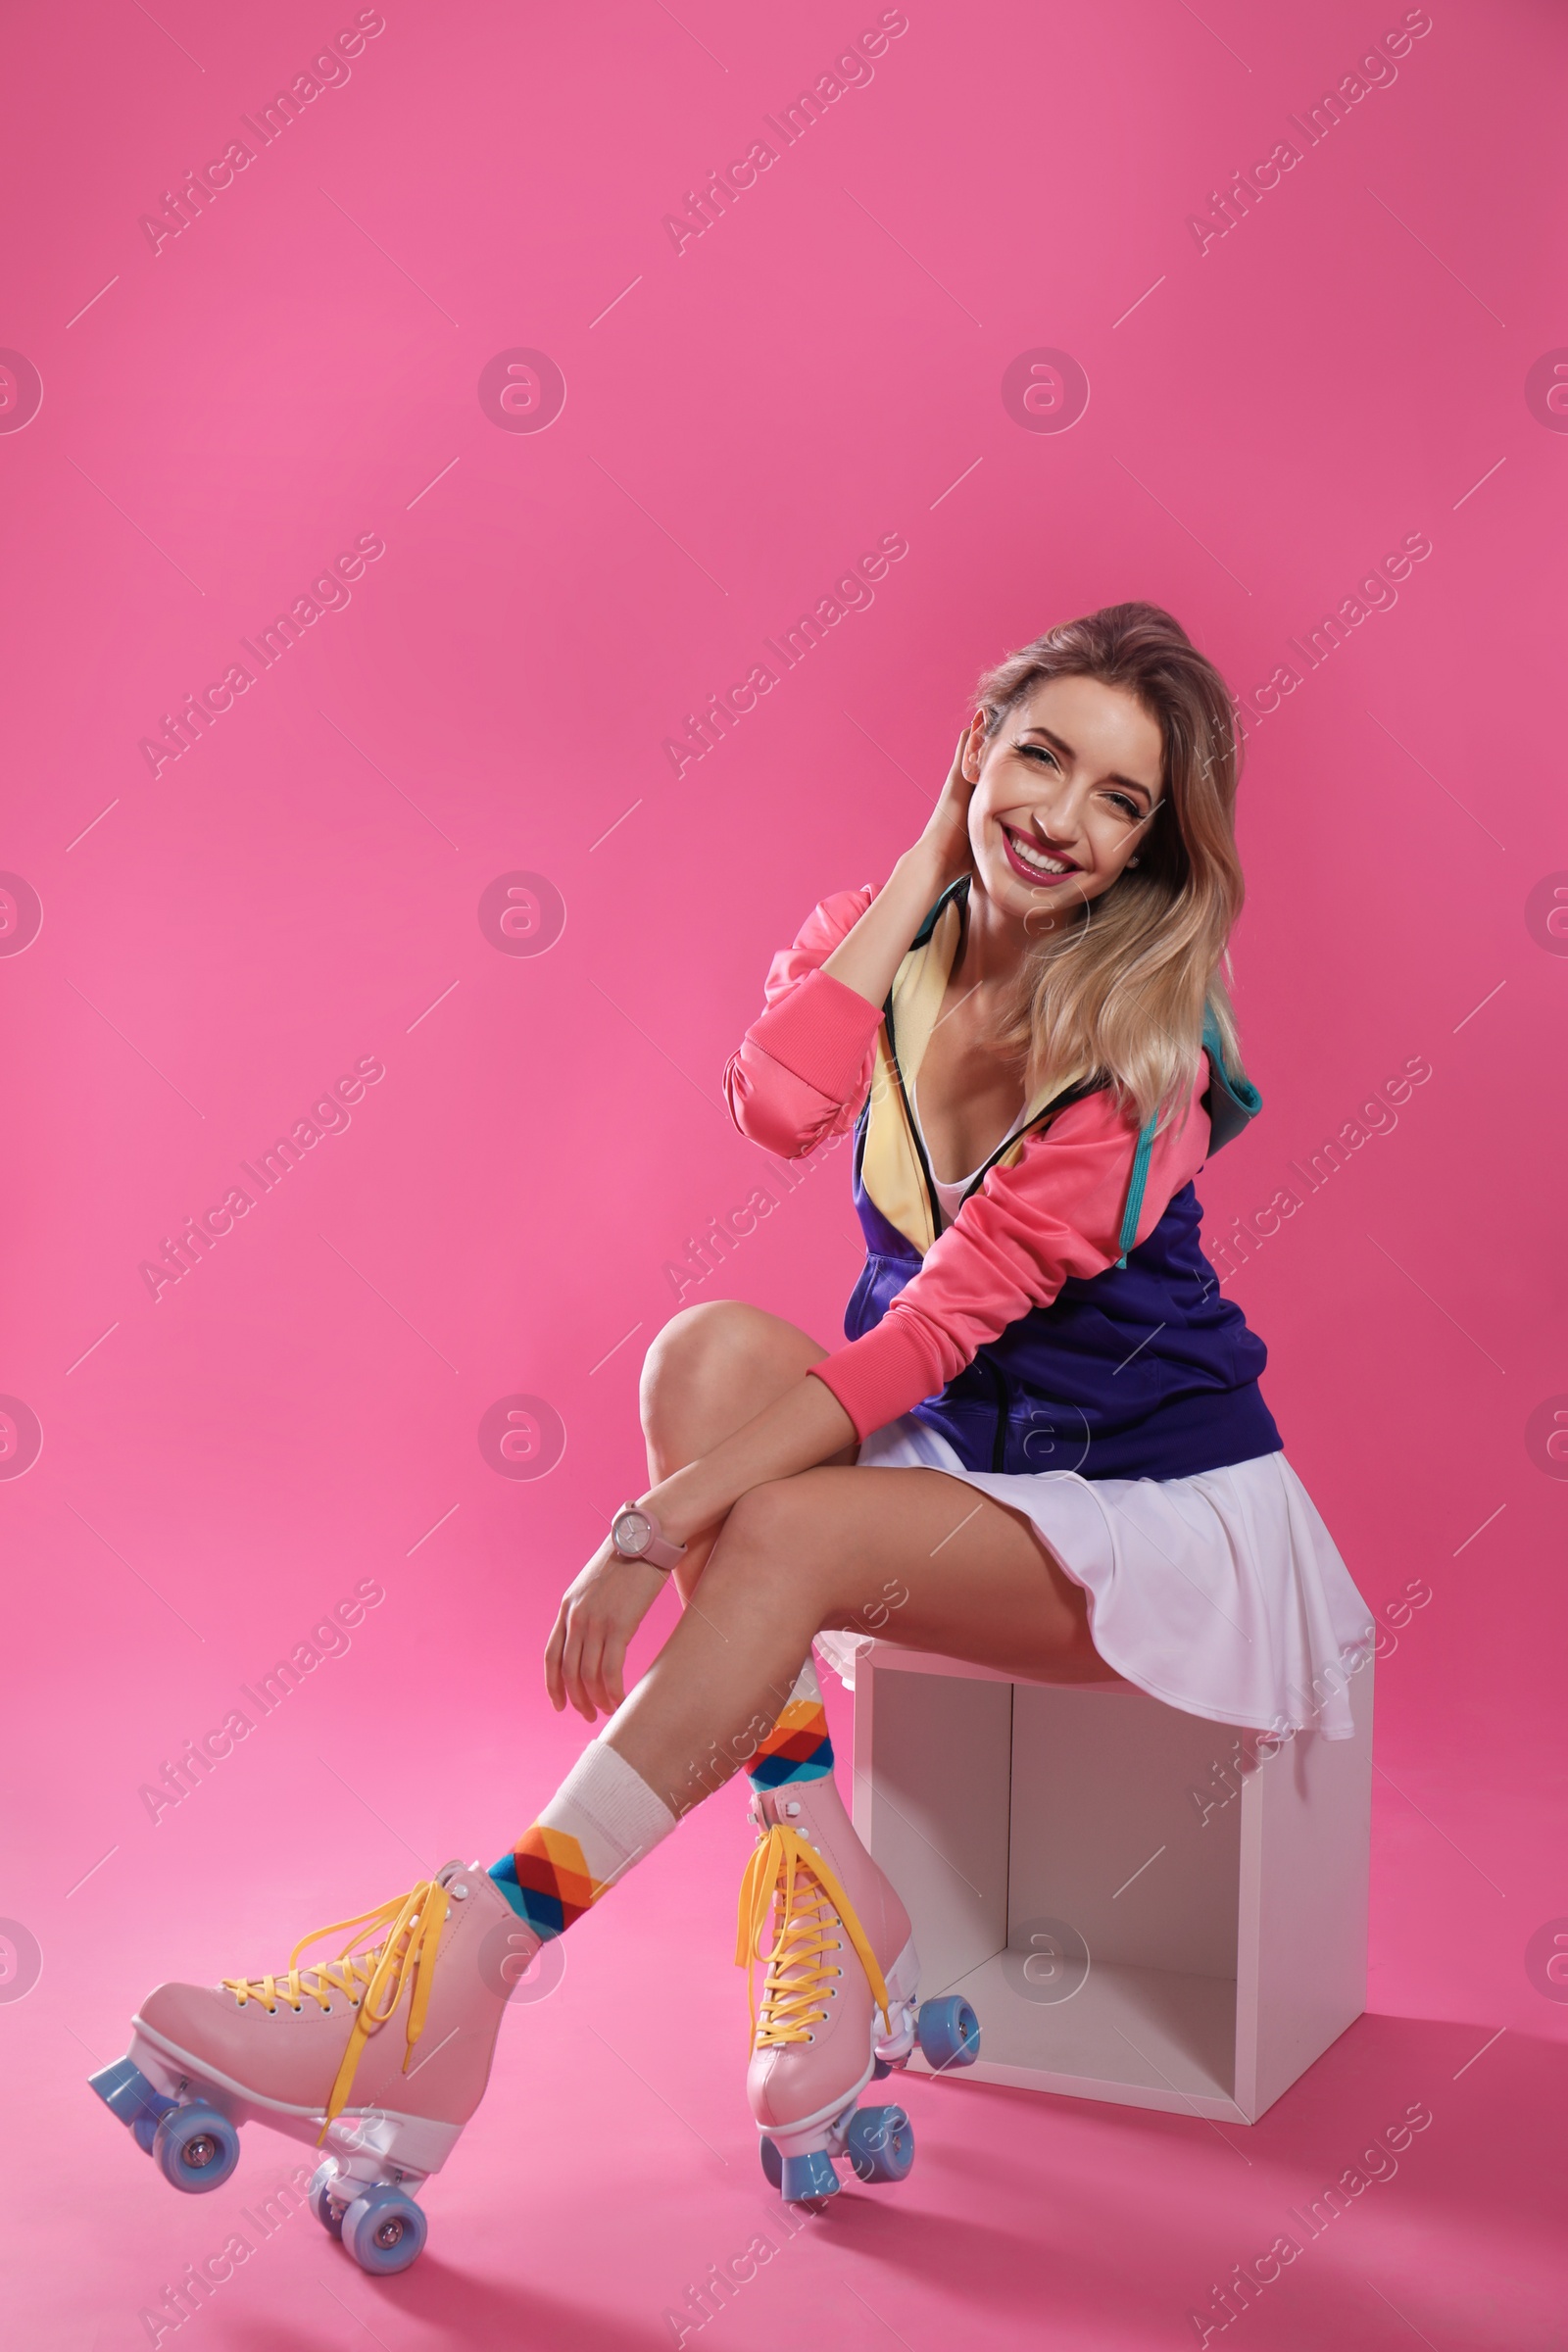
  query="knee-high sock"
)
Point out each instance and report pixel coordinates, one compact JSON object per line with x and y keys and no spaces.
{"x":602,"y":1819}
{"x":798,"y":1748}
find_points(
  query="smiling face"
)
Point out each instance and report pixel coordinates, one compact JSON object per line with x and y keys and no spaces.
{"x":1065,"y":793}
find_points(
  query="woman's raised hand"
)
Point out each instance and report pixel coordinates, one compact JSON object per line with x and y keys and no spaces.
{"x":946,"y":838}
{"x":869,"y":957}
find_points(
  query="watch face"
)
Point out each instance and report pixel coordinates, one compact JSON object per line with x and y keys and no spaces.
{"x":632,"y":1532}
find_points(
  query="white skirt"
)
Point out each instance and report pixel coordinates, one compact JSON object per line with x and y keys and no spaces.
{"x":1223,"y":1594}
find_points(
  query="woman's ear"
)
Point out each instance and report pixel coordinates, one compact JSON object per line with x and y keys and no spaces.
{"x":974,"y":749}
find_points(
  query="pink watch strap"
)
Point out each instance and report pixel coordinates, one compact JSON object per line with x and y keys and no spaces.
{"x":662,"y":1551}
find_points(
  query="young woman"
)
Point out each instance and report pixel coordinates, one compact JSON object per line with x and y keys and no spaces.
{"x":1042,"y":1448}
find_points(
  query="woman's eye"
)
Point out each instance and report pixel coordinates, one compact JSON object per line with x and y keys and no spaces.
{"x":1123,"y":806}
{"x":1038,"y":751}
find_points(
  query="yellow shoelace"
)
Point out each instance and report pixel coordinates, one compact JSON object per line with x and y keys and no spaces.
{"x":811,"y":1904}
{"x":407,"y":1933}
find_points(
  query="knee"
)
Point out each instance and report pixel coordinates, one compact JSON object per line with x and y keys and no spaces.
{"x":696,"y":1362}
{"x":773,"y":1537}
{"x":765,"y":1521}
{"x":775,"y":1561}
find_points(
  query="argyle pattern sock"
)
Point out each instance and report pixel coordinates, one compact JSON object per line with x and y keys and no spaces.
{"x":602,"y":1819}
{"x":798,"y":1747}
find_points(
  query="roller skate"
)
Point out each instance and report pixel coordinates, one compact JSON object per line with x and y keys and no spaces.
{"x":840,"y":2004}
{"x":378,"y":2056}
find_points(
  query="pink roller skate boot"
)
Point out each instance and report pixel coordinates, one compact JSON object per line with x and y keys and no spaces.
{"x":840,"y":1999}
{"x":379,"y":2056}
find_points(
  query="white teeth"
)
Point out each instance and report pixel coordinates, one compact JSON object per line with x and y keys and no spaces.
{"x":1036,"y":857}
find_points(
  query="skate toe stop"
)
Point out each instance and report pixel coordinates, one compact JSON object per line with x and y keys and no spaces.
{"x":806,"y":2178}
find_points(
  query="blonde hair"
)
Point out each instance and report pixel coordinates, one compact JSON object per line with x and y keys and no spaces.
{"x":1123,"y":992}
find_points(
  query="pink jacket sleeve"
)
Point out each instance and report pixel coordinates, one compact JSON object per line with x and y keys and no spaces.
{"x":805,"y":1063}
{"x":1056,"y":1213}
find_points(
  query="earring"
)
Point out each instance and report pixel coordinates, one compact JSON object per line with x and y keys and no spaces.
{"x":1132,"y":861}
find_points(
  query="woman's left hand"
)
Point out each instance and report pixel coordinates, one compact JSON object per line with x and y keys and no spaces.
{"x":586,"y":1656}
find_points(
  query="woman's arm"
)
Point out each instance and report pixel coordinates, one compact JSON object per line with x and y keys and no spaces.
{"x":869,"y":957}
{"x":1056,"y":1213}
{"x":804,"y":1066}
{"x":806,"y":1426}
{"x":585,"y":1661}
{"x":792,"y":1083}
{"x":800,"y":1072}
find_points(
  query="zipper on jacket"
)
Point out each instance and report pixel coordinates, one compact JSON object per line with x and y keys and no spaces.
{"x":1041,"y":1120}
{"x":958,"y":889}
{"x":998,"y":1445}
{"x":938,"y":1221}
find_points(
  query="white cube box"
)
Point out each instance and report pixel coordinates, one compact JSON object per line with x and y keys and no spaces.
{"x":1135,"y":1914}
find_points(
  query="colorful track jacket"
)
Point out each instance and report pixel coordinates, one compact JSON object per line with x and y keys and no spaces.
{"x":1067,"y":1318}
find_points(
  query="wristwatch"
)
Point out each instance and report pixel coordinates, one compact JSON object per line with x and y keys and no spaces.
{"x":637,"y":1535}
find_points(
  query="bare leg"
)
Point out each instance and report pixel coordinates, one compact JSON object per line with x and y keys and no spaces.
{"x":819,"y":1550}
{"x":710,"y":1370}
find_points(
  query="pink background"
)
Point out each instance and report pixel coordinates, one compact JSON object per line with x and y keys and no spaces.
{"x":1267,"y":418}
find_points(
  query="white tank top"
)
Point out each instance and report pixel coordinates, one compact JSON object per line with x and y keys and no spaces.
{"x":951,"y":1194}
